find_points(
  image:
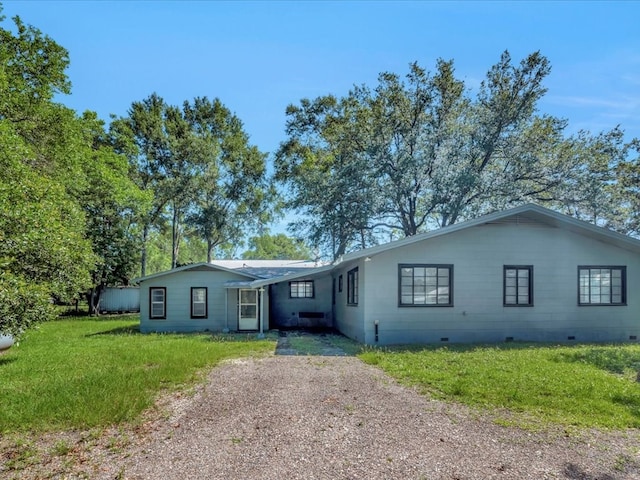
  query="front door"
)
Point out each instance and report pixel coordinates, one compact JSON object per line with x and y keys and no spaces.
{"x":248,"y":310}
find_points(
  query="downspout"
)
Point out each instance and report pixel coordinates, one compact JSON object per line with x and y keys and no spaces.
{"x":261,"y":293}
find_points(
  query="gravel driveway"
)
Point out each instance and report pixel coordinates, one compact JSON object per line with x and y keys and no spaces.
{"x":334,"y":417}
{"x":337,"y":418}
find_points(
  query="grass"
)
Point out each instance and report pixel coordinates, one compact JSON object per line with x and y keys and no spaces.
{"x":306,"y":345}
{"x":529,"y":385}
{"x":317,"y":345}
{"x":85,"y":373}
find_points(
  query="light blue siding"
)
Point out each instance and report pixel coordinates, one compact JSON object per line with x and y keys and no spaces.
{"x":287,"y":312}
{"x":349,"y":319}
{"x":478,"y":255}
{"x":221,"y":304}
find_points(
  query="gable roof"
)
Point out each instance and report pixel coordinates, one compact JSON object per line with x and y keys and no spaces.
{"x":195,"y":266}
{"x":528,"y":213}
{"x":268,"y":268}
{"x":246,"y":263}
{"x":306,"y":273}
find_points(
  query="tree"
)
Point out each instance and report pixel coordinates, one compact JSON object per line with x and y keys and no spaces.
{"x":43,"y":252}
{"x":276,"y":247}
{"x":233,"y":193}
{"x":204,"y":174}
{"x":159,"y":143}
{"x":113,"y":204}
{"x":66,"y":198}
{"x":421,"y":152}
{"x":625,"y":191}
{"x":324,"y":164}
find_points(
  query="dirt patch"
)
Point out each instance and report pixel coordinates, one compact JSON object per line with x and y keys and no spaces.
{"x":306,"y":417}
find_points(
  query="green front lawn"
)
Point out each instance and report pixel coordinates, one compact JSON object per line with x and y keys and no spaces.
{"x":527,"y":384}
{"x":85,"y":373}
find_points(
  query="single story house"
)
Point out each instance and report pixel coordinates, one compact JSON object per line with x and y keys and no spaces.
{"x":524,"y":274}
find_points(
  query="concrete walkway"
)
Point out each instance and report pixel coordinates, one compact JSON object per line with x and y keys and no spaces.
{"x":307,"y":343}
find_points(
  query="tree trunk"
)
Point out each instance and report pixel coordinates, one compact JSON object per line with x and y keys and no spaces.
{"x":210,"y":246}
{"x":143,"y":262}
{"x":93,"y":300}
{"x":175,"y":237}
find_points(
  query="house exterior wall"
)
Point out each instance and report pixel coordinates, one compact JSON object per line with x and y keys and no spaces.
{"x":478,"y":255}
{"x":316,"y":312}
{"x":178,"y":301}
{"x":232,"y":309}
{"x":349,"y":319}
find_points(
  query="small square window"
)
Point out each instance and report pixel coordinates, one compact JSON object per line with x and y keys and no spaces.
{"x":301,"y":289}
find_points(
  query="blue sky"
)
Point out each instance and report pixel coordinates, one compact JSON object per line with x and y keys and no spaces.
{"x":258,"y":57}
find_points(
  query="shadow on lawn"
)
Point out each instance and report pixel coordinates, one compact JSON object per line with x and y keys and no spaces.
{"x":206,"y":335}
{"x":611,"y":359}
{"x":128,"y":330}
{"x":6,"y":360}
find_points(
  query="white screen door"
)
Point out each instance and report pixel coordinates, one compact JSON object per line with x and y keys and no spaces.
{"x":248,"y":310}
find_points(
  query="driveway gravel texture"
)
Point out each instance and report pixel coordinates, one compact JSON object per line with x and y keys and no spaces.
{"x":329,"y":417}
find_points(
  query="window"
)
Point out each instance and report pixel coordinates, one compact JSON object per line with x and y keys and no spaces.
{"x":157,"y":302}
{"x":198,"y":302}
{"x":340,"y":284}
{"x":301,"y":289}
{"x":426,"y":285}
{"x":352,"y":287}
{"x":518,"y":286}
{"x":602,"y":285}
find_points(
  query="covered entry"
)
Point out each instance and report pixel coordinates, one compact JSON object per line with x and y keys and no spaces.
{"x":246,"y":307}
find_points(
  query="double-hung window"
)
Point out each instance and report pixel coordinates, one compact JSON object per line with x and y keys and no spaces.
{"x":352,"y":287}
{"x":518,"y":286}
{"x":301,"y":289}
{"x":157,"y":302}
{"x":426,"y":285}
{"x":198,"y":302}
{"x":602,"y":285}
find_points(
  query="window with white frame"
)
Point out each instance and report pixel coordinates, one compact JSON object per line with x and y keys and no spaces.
{"x":602,"y":285}
{"x":158,"y":302}
{"x":301,"y":289}
{"x":198,"y":302}
{"x":425,"y":285}
{"x":518,"y":286}
{"x":352,"y":287}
